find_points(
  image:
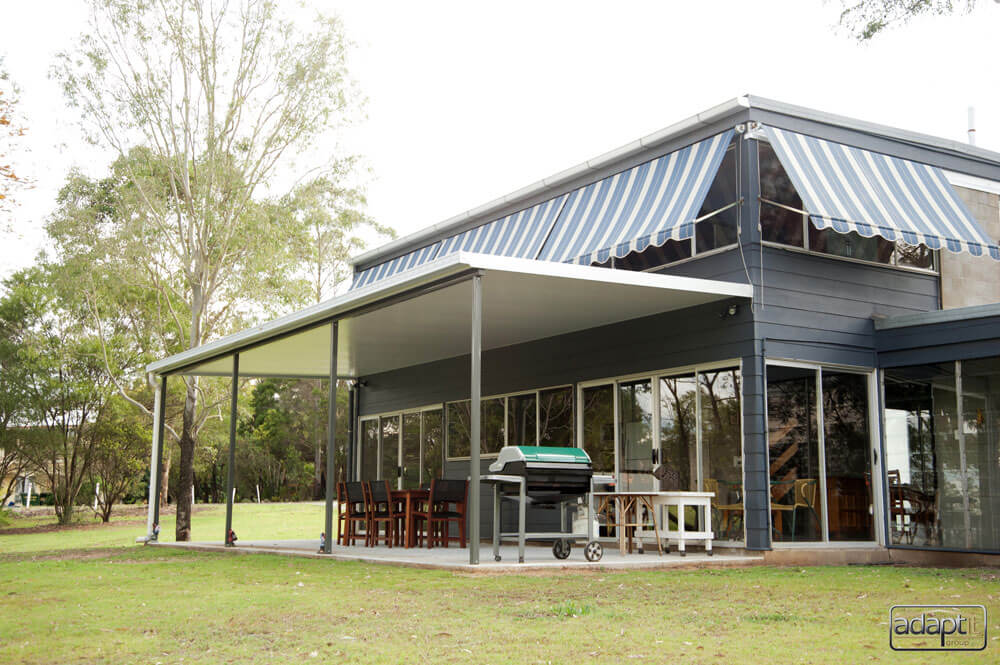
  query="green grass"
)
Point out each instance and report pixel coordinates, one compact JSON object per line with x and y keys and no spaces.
{"x":135,"y":604}
{"x":251,"y":521}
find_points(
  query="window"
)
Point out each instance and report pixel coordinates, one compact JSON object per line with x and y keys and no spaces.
{"x":721,"y":443}
{"x":942,"y":437}
{"x":678,"y":429}
{"x":390,"y":448}
{"x":635,"y":422}
{"x":783,"y":221}
{"x":369,"y":449}
{"x":719,"y":230}
{"x":410,"y":451}
{"x":671,"y":432}
{"x":522,"y":420}
{"x":403,"y":448}
{"x":539,"y":417}
{"x":431,"y":447}
{"x":491,"y":427}
{"x":598,"y":407}
{"x":555,"y":417}
{"x":716,"y":230}
{"x":819,"y":445}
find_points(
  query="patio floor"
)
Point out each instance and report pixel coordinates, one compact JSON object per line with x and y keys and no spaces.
{"x":457,"y":559}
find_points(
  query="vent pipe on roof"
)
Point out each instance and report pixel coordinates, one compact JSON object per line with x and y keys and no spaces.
{"x":972,"y":125}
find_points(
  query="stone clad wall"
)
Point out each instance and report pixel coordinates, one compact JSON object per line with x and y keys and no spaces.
{"x":970,"y":280}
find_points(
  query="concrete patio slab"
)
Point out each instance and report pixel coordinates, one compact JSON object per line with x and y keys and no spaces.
{"x":457,"y":559}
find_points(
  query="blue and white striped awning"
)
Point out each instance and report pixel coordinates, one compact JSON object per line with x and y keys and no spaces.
{"x":519,"y":235}
{"x":413,"y":259}
{"x":850,"y":189}
{"x":644,"y":206}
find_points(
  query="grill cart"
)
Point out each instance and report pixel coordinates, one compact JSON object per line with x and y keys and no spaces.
{"x":544,"y":477}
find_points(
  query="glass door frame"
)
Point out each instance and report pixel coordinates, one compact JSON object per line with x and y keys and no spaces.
{"x":654,"y":377}
{"x":399,"y":442}
{"x":875,"y":451}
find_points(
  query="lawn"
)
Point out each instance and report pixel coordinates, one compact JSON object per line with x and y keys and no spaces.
{"x":251,"y":521}
{"x":92,"y":603}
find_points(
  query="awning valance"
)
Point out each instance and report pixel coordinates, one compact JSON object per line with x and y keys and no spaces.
{"x":850,"y":189}
{"x":644,"y":206}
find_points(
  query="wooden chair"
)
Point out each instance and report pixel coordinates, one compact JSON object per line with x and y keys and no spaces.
{"x":448,"y":503}
{"x":353,"y":511}
{"x":381,"y":508}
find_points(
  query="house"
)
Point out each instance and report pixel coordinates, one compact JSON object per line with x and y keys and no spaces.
{"x":794,"y":310}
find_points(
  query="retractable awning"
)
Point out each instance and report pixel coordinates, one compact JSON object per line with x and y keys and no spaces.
{"x":519,"y":235}
{"x":644,"y":206}
{"x":850,"y":189}
{"x":417,"y":257}
{"x":423,"y":315}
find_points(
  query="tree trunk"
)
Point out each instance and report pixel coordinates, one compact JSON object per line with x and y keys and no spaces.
{"x":165,"y":481}
{"x":186,"y":470}
{"x":64,"y":512}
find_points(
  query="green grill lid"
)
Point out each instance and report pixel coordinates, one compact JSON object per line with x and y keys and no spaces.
{"x":554,"y":454}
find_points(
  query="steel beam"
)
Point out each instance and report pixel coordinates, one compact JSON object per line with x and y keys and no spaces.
{"x":475,"y":409}
{"x":231,"y":470}
{"x":331,"y":438}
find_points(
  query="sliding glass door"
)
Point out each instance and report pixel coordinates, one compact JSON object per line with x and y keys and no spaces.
{"x":669,"y":432}
{"x":635,"y":436}
{"x":820,"y":454}
{"x":404,"y":448}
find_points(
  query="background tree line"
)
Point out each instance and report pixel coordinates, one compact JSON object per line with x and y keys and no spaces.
{"x":220,"y":209}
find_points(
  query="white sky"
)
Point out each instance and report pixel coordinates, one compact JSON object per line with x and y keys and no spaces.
{"x":467,"y":102}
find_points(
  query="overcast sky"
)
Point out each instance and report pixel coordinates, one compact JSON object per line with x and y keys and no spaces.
{"x":467,"y":102}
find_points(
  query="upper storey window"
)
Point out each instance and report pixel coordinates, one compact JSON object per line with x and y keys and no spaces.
{"x":714,"y":228}
{"x":783,"y":221}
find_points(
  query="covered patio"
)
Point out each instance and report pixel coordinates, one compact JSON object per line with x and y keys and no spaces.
{"x":460,"y":305}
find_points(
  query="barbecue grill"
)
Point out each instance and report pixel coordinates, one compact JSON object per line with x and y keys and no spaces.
{"x":546,"y":477}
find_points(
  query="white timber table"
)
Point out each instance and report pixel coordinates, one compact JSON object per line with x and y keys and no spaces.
{"x":633,"y":502}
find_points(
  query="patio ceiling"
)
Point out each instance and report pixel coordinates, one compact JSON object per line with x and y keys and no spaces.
{"x":424,"y":315}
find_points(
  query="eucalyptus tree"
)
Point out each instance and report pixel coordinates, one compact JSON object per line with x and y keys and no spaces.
{"x":868,"y":18}
{"x":212,"y":108}
{"x":12,"y":131}
{"x":62,"y":380}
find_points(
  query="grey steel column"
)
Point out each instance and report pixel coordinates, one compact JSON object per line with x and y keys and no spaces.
{"x":331,"y":436}
{"x":231,"y":471}
{"x":161,"y":426}
{"x":475,"y":409}
{"x":351,"y":435}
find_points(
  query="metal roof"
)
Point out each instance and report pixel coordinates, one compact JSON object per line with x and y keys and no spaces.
{"x":420,"y":316}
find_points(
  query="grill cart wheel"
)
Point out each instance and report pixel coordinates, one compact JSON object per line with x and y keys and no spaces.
{"x":561,"y":548}
{"x":496,"y":558}
{"x":593,"y":551}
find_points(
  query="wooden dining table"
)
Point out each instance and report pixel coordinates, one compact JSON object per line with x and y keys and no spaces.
{"x":411,"y":500}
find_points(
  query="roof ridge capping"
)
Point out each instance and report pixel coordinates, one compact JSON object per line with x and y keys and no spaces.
{"x":864,"y":126}
{"x":414,"y":240}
